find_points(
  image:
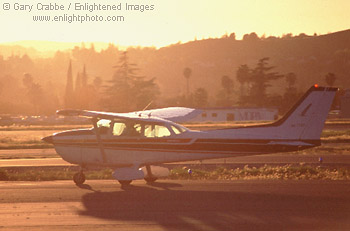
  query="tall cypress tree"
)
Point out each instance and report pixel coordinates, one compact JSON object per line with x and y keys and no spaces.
{"x":69,"y":94}
{"x":84,"y":78}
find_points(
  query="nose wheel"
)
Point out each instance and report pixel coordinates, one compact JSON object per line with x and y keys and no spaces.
{"x":125,"y":182}
{"x":79,"y":178}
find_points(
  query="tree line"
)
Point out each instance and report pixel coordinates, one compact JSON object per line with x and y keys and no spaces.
{"x":225,"y":72}
{"x":127,"y":90}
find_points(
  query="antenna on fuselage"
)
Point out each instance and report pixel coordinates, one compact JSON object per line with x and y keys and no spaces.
{"x":149,"y":115}
{"x":147,"y":106}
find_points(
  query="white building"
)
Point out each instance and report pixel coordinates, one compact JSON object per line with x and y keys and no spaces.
{"x":233,"y":114}
{"x":184,"y":114}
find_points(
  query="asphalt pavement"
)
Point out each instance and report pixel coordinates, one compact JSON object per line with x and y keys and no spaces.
{"x":176,"y":205}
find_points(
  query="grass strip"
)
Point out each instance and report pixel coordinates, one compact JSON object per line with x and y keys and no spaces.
{"x":286,"y":172}
{"x":50,"y":174}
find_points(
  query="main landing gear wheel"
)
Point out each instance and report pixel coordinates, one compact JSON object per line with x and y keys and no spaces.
{"x":79,"y":178}
{"x":125,"y":182}
{"x":150,"y":179}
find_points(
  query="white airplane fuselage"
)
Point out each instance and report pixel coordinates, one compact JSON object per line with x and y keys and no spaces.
{"x":127,"y":141}
{"x":83,"y":149}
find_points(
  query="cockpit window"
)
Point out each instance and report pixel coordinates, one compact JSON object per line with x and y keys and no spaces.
{"x":155,"y":130}
{"x":127,"y":129}
{"x":161,"y":131}
{"x":176,"y":130}
{"x":149,"y":130}
{"x":118,"y":129}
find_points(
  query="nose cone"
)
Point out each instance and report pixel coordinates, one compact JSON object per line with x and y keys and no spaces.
{"x":48,"y":139}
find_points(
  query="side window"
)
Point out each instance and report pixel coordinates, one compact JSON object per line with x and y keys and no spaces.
{"x":138,"y":129}
{"x":230,"y":117}
{"x":118,"y":128}
{"x":132,"y":129}
{"x":155,"y":130}
{"x":161,"y":131}
{"x":126,"y":129}
{"x":176,"y":130}
{"x":149,"y":131}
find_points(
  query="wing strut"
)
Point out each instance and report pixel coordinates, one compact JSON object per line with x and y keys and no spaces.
{"x":99,"y":141}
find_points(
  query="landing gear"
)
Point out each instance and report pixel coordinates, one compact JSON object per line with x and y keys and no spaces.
{"x":79,"y":178}
{"x":150,"y":178}
{"x":125,"y":182}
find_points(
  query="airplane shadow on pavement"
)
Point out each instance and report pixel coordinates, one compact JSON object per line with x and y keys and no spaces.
{"x":173,"y":208}
{"x":87,"y":187}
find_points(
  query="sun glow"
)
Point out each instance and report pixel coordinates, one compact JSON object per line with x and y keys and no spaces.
{"x":171,"y":21}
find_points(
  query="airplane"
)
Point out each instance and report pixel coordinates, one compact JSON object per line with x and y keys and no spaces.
{"x":126,"y":142}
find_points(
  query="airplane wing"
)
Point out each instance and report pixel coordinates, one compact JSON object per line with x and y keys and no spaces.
{"x":107,"y":115}
{"x":175,"y":114}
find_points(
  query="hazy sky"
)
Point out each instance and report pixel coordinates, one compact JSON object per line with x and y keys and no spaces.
{"x":171,"y":21}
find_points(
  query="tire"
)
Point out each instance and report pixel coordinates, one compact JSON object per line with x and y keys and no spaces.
{"x":125,"y":182}
{"x":79,"y":178}
{"x":150,"y":179}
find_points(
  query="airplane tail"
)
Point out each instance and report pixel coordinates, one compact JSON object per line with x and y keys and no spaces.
{"x":306,"y":119}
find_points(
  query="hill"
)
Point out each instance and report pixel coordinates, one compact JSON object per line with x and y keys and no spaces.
{"x":309,"y":57}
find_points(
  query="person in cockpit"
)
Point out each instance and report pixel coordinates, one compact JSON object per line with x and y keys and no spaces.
{"x":131,"y":129}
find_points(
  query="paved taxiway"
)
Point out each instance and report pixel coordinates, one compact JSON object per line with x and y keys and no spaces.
{"x":176,"y":205}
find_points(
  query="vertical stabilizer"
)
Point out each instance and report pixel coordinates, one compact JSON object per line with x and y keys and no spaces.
{"x":306,"y":119}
